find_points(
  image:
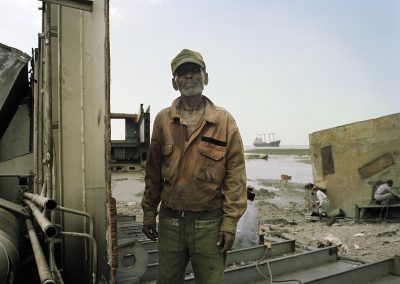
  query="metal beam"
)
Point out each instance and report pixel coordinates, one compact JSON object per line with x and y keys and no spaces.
{"x":123,"y":116}
{"x":258,"y":252}
{"x":235,"y":256}
{"x":361,"y":274}
{"x":250,"y":272}
{"x":13,"y":207}
{"x":86,"y":5}
{"x":19,"y":166}
{"x":246,"y":254}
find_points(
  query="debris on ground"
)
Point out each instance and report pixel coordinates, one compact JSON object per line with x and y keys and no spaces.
{"x":282,"y":215}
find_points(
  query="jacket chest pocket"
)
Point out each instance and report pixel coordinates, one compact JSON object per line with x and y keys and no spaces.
{"x":211,"y":165}
{"x":169,"y":164}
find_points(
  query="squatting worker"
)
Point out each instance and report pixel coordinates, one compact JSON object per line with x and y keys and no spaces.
{"x":385,"y":194}
{"x":196,"y":168}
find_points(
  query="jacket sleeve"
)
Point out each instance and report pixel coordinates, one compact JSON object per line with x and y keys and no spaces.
{"x":153,"y":181}
{"x":234,"y":187}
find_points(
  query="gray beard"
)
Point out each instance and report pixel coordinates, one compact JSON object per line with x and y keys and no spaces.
{"x":192,"y":92}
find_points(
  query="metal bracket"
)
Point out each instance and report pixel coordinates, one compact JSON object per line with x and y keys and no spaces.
{"x":86,"y":5}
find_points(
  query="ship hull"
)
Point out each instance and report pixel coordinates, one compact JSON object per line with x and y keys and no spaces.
{"x":267,"y":144}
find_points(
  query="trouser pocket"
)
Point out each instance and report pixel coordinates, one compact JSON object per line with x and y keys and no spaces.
{"x":206,"y":236}
{"x":169,"y":234}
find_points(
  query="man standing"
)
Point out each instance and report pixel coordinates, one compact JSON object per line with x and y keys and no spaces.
{"x":195,"y":168}
{"x":385,"y":194}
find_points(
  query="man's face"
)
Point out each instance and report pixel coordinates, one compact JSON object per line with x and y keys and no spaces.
{"x":190,"y":79}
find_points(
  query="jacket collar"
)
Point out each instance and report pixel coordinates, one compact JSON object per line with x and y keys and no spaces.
{"x":210,"y":112}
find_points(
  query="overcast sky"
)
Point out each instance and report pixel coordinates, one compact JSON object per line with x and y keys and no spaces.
{"x":291,"y":67}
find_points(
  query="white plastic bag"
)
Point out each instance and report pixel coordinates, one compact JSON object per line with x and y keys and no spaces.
{"x":247,"y":228}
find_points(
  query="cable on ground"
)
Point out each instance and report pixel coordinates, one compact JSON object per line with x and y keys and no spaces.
{"x":268,"y":246}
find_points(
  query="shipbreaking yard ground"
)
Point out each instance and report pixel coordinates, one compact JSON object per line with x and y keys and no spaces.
{"x":277,"y":259}
{"x":280,"y":258}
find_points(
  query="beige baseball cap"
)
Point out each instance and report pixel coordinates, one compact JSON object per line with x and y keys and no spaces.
{"x":185,"y":56}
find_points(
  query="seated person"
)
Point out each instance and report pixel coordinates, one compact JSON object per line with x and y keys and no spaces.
{"x":385,"y":194}
{"x":247,"y":228}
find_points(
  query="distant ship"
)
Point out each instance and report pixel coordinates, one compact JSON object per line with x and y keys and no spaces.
{"x":261,"y":141}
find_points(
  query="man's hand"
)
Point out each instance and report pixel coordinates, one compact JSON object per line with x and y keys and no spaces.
{"x":225,"y":240}
{"x":150,"y":230}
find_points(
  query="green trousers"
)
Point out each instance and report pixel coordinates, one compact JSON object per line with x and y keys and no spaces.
{"x":191,"y":237}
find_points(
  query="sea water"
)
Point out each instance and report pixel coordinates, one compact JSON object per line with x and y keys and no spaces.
{"x":127,"y":186}
{"x":299,"y":167}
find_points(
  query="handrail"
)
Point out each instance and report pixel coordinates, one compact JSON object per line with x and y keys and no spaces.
{"x":94,"y":249}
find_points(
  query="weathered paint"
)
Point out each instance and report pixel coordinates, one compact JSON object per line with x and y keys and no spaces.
{"x":354,"y":146}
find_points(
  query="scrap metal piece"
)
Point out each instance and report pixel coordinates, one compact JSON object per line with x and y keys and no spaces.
{"x":132,"y":261}
{"x":13,"y":83}
{"x":376,"y":165}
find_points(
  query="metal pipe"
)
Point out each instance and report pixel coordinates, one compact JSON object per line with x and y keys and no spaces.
{"x":47,"y":227}
{"x":35,"y":119}
{"x":53,"y":265}
{"x":44,"y":202}
{"x":44,"y":189}
{"x":94,"y":249}
{"x":38,"y":105}
{"x":41,"y":263}
{"x":52,"y":261}
{"x":82,"y":213}
{"x":90,"y":220}
{"x":47,"y":103}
